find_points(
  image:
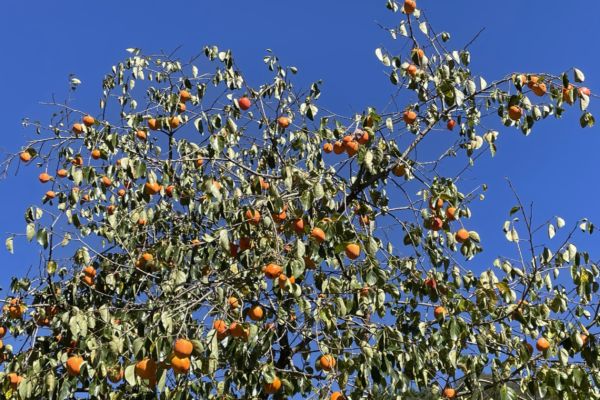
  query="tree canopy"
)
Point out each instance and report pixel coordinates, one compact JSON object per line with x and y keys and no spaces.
{"x":206,"y":237}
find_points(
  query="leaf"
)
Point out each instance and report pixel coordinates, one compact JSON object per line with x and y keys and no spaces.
{"x":514,"y":210}
{"x":578,"y":75}
{"x":506,"y":393}
{"x":587,"y":120}
{"x":30,"y":231}
{"x":318,"y":192}
{"x":368,"y":160}
{"x":9,"y":244}
{"x":389,"y":123}
{"x":551,"y":231}
{"x":459,"y":97}
{"x":51,"y":267}
{"x":423,"y":28}
{"x":224,"y":239}
{"x":584,"y":101}
{"x":560,"y":222}
{"x":42,"y":237}
{"x":130,"y":375}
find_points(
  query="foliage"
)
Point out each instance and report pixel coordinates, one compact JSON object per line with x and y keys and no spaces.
{"x":195,"y":206}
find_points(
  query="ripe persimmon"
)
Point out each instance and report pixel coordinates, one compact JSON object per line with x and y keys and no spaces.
{"x":184,"y":96}
{"x":44,"y":177}
{"x":283,"y":279}
{"x":220,"y":326}
{"x":412,"y":70}
{"x":462,"y":235}
{"x":244,"y":103}
{"x":174,"y":122}
{"x":256,"y":313}
{"x":515,"y":113}
{"x":14,"y":380}
{"x":90,"y":271}
{"x":180,"y":365}
{"x":77,"y":128}
{"x":181,"y":108}
{"x":252,"y":216}
{"x":183,"y":348}
{"x":106,"y":181}
{"x":88,"y":280}
{"x":151,"y":188}
{"x":141,"y":134}
{"x":62,"y":173}
{"x":299,"y":226}
{"x":317,"y":234}
{"x":338,"y":147}
{"x":73,"y":365}
{"x":362,"y":137}
{"x":146,"y":368}
{"x":451,"y":124}
{"x":451,"y":213}
{"x":50,"y":194}
{"x":352,"y":148}
{"x":25,"y":156}
{"x":233,"y":302}
{"x":409,"y":117}
{"x":542,"y":344}
{"x":410,"y":6}
{"x":88,"y":120}
{"x":328,"y":148}
{"x":272,"y":270}
{"x":584,"y":90}
{"x":283,"y":122}
{"x":352,"y":251}
{"x":327,"y":362}
{"x":449,"y":393}
{"x":336,"y":396}
{"x":154,"y":124}
{"x":273,"y":387}
{"x":539,"y":89}
{"x":440,"y":312}
{"x":237,"y":330}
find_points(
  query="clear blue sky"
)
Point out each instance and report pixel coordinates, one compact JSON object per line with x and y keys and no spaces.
{"x":41,"y":42}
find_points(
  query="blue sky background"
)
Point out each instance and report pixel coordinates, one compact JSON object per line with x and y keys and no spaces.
{"x":556,"y":167}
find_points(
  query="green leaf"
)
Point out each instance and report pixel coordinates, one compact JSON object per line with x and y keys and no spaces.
{"x":9,"y":244}
{"x":51,"y":267}
{"x":318,"y":192}
{"x":551,"y":231}
{"x":506,"y":393}
{"x":578,"y":75}
{"x":42,"y":237}
{"x":224,"y":239}
{"x":130,"y":375}
{"x":30,"y":231}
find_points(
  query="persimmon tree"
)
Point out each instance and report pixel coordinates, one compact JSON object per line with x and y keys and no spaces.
{"x":206,"y":237}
